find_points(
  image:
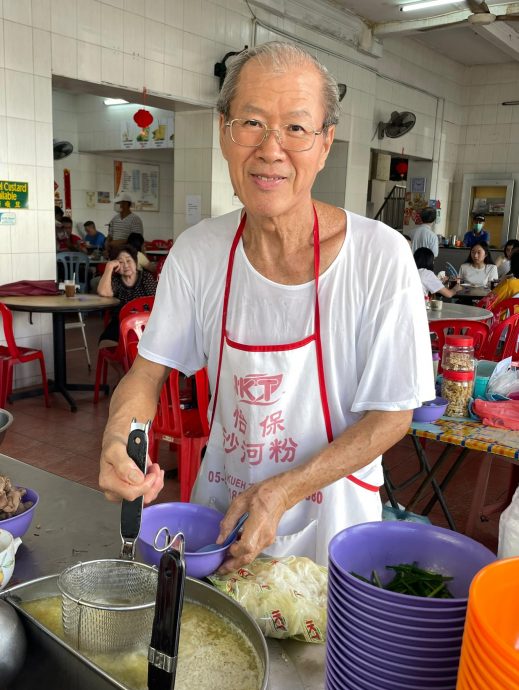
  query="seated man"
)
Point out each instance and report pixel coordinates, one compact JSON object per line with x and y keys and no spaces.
{"x":66,"y":240}
{"x":93,"y":238}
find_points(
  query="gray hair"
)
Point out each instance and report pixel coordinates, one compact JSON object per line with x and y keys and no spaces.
{"x":280,"y":56}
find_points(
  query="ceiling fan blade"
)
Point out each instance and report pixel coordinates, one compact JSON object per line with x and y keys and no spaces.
{"x":477,"y":7}
{"x":507,"y":17}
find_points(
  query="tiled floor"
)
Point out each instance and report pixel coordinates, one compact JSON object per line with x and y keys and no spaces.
{"x":69,"y":444}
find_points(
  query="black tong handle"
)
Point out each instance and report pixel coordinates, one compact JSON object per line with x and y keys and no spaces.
{"x":163,"y":651}
{"x":131,"y":511}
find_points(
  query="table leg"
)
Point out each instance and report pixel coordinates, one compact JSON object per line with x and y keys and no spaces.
{"x":478,"y":495}
{"x":450,"y":474}
{"x":430,"y":479}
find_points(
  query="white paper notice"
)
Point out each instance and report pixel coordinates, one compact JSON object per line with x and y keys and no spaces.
{"x":193,"y":209}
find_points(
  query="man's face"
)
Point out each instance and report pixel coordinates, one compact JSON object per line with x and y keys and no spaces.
{"x":67,"y":226}
{"x":90,"y":230}
{"x":478,"y":225}
{"x":269,"y":180}
{"x":124,"y":207}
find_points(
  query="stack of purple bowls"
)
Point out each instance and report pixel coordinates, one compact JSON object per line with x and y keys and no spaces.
{"x":383,"y":640}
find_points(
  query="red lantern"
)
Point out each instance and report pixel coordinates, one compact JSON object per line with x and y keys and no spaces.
{"x":401,"y":168}
{"x":143,"y":118}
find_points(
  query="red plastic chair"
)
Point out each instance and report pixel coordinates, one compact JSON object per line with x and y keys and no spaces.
{"x":502,"y":340}
{"x":11,"y":354}
{"x":442,"y":327}
{"x":188,"y":429}
{"x":116,"y":354}
{"x":132,"y":328}
{"x":504,"y":309}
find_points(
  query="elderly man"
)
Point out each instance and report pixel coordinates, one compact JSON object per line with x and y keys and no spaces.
{"x":124,"y":222}
{"x":301,"y":312}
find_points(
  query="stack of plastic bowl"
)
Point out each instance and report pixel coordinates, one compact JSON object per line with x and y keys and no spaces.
{"x":382,"y":640}
{"x":490,"y":653}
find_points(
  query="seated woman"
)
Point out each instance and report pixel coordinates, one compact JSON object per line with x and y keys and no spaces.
{"x":503,"y":269}
{"x":424,"y":259}
{"x":508,"y":287}
{"x":479,"y":270}
{"x":123,"y":280}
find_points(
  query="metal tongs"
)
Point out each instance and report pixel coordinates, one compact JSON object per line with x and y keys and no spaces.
{"x":165,"y":634}
{"x":131,"y":511}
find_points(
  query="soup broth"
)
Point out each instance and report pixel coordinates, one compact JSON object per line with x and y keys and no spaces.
{"x":213,"y":653}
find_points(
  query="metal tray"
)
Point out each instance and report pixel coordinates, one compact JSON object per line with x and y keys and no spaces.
{"x":51,"y":662}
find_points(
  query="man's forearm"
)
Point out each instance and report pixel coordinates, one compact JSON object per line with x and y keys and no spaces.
{"x":359,"y":445}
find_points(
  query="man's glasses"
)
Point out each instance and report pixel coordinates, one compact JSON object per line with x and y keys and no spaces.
{"x":252,"y":133}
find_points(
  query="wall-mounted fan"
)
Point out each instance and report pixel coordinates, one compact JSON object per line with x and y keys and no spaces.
{"x":62,"y":149}
{"x":398,"y":125}
{"x":481,"y":15}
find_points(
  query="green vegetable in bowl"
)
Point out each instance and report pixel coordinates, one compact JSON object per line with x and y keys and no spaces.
{"x":410,"y":579}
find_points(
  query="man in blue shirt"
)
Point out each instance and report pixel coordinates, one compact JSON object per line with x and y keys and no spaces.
{"x":477,"y":234}
{"x":93,"y":238}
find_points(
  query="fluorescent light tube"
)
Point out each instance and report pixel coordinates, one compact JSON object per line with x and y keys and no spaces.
{"x":424,"y":5}
{"x":114,"y":101}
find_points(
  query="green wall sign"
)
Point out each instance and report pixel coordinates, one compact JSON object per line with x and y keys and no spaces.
{"x":14,"y":194}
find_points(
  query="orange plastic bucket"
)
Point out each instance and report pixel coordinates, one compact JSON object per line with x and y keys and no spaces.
{"x":494,"y":603}
{"x":466,"y":678}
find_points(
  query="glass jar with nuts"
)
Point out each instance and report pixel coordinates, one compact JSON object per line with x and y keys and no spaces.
{"x":458,"y":353}
{"x":457,"y":387}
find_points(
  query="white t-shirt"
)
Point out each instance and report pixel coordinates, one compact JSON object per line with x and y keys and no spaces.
{"x":479,"y":277}
{"x":430,"y":283}
{"x":423,"y":236}
{"x":375,"y":336}
{"x":504,"y":268}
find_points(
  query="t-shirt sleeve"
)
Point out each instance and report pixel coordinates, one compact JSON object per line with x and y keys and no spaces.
{"x":394,"y":358}
{"x":431,"y":282}
{"x":492,"y":274}
{"x":172,"y":336}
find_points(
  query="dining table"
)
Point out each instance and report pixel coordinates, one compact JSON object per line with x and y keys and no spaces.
{"x":59,"y":306}
{"x":458,"y":437}
{"x":451,"y":310}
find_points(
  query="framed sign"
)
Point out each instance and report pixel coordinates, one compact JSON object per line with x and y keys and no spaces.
{"x":14,"y":194}
{"x":140,"y":181}
{"x":418,"y":185}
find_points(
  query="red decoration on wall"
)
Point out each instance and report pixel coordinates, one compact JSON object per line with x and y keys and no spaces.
{"x":68,"y":192}
{"x":143,"y":118}
{"x":402,"y":167}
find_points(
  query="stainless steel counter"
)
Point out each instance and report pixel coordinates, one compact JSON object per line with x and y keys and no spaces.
{"x":74,"y":523}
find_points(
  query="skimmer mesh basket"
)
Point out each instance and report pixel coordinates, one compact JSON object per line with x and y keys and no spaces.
{"x":108,"y":605}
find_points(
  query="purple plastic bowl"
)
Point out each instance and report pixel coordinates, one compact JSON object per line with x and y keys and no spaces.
{"x":19,"y":524}
{"x":342,"y":601}
{"x":343,"y":587}
{"x":419,"y":629}
{"x":385,"y":680}
{"x":350,"y":653}
{"x":430,"y":411}
{"x":379,"y":634}
{"x":382,"y":653}
{"x":373,"y":545}
{"x":441,"y":654}
{"x":200,"y":525}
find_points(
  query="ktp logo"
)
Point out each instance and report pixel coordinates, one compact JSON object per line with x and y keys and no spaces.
{"x":257,"y":389}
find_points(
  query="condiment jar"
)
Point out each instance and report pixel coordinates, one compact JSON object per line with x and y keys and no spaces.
{"x":457,"y":387}
{"x":458,"y":353}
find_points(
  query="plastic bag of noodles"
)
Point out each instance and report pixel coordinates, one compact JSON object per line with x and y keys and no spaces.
{"x":287,"y":597}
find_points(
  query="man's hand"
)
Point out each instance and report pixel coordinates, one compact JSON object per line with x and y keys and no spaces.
{"x":119,"y":476}
{"x":266,"y":503}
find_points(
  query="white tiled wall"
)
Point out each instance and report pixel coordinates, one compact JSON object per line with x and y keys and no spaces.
{"x":170,"y":47}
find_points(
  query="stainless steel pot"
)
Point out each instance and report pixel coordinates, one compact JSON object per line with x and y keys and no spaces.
{"x":51,"y":662}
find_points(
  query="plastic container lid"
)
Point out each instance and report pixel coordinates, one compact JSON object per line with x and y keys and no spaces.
{"x":458,"y":375}
{"x":459,"y":340}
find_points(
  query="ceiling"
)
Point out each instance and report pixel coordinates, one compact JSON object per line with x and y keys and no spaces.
{"x":466,"y":43}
